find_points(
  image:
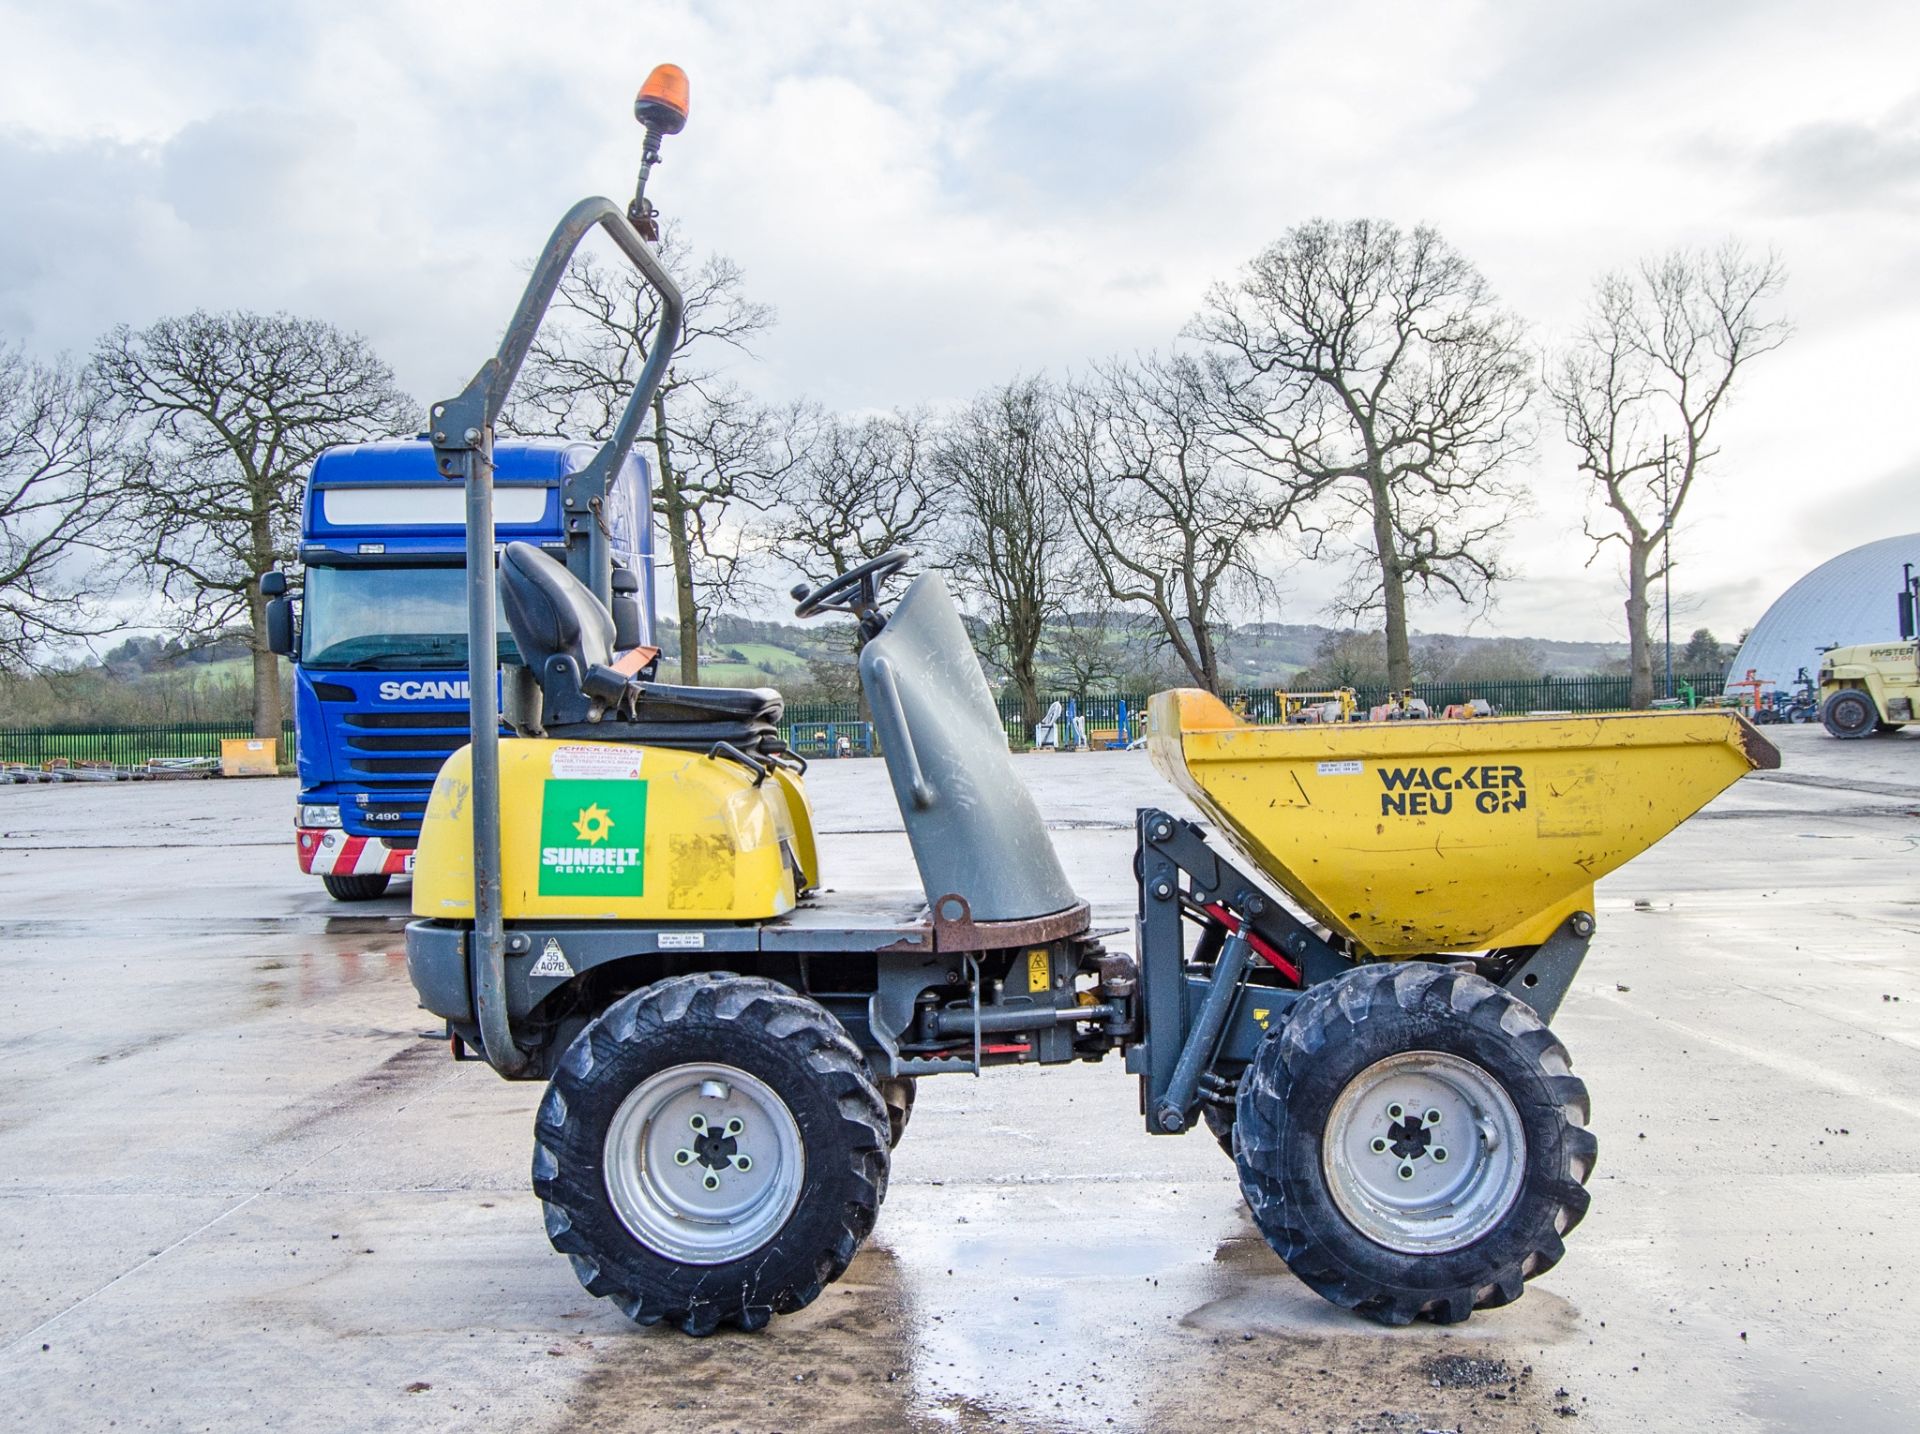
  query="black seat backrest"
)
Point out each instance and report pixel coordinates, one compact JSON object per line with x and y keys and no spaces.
{"x":569,"y":686}
{"x":552,"y":613}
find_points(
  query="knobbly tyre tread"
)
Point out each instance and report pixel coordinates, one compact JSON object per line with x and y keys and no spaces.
{"x":898,"y":1093}
{"x":352,"y":886}
{"x":818,"y":1241}
{"x":1340,"y":1028}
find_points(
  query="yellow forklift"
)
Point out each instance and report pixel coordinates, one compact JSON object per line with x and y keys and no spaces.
{"x":1348,"y":978}
{"x":1873,"y":687}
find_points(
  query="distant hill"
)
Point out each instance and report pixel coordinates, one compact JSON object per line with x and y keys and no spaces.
{"x":163,"y":681}
{"x":1269,"y":651}
{"x":744,"y":652}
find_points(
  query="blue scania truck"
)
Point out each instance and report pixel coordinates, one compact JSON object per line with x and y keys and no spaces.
{"x":378,"y":635}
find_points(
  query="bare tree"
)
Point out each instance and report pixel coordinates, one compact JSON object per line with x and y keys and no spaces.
{"x":1168,"y":522}
{"x":1639,"y":389}
{"x":1372,"y":367}
{"x":230,"y":412}
{"x":862,"y":488}
{"x":61,"y":467}
{"x":712,"y":446}
{"x":1345,"y":657}
{"x":723,"y":453}
{"x":1008,"y":537}
{"x":1086,"y":650}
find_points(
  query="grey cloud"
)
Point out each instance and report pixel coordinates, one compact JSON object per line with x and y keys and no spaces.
{"x":227,"y":170}
{"x":64,"y":267}
{"x":1841,"y":519}
{"x":1820,"y":168}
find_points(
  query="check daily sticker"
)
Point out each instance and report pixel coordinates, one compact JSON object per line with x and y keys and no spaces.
{"x":577,"y":762}
{"x":593,"y":838}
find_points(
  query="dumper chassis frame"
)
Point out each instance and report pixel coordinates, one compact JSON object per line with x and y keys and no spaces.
{"x":1202,"y":1015}
{"x":935,"y":992}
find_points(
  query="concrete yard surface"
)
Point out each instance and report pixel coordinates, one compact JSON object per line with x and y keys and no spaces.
{"x":242,"y":1185}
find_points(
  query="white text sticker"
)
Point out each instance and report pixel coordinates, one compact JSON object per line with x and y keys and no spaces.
{"x":1340,"y":769}
{"x":682,"y":940}
{"x":553,"y":961}
{"x":596,"y":762}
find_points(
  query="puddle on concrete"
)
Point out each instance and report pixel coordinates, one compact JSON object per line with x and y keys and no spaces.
{"x":1804,"y":1398}
{"x":1037,"y":1308}
{"x":210,"y":923}
{"x":308,"y":978}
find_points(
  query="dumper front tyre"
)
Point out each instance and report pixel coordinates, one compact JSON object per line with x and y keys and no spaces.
{"x":1413,"y":1144}
{"x":711,"y":1150}
{"x":1850,"y":713}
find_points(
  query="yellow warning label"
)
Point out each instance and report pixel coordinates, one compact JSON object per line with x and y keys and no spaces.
{"x":1039,"y":977}
{"x":1260,"y":1014}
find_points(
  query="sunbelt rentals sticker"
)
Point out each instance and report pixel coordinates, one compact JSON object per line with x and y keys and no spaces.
{"x":593,"y":838}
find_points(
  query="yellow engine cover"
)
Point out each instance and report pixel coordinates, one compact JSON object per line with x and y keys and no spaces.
{"x":619,"y":832}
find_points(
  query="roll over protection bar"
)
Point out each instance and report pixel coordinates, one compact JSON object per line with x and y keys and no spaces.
{"x":462,"y":435}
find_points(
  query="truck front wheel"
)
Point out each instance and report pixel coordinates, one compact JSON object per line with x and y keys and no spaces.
{"x":711,"y":1151}
{"x":1849,"y":713}
{"x":1413,"y":1143}
{"x":355,"y":888}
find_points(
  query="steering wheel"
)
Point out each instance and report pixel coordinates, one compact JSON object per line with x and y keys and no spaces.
{"x":856,"y":591}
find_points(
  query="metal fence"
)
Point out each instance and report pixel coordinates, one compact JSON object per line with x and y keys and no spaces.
{"x":818,"y":728}
{"x":128,"y":745}
{"x":1107,"y":712}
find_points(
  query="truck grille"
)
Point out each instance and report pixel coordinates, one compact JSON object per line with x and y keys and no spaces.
{"x":401,"y":747}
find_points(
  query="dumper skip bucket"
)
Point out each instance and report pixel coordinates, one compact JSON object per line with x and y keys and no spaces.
{"x":1421,"y":837}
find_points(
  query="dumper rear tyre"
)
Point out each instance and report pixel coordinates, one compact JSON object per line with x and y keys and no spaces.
{"x":1849,"y":714}
{"x":355,"y":888}
{"x":711,"y":1150}
{"x":1413,"y":1144}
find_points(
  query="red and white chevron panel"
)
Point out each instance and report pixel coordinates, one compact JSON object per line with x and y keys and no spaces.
{"x":334,"y":851}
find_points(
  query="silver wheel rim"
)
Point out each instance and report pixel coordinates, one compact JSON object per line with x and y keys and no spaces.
{"x":703,"y":1163}
{"x":1424,"y":1152}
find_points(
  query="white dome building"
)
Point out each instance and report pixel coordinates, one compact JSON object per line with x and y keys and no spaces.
{"x":1845,"y":600}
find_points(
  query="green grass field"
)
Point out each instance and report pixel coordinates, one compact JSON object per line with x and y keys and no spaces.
{"x":725,"y":674}
{"x":767,"y":656}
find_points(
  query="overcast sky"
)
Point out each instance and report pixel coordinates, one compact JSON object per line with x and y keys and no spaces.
{"x":937,"y":197}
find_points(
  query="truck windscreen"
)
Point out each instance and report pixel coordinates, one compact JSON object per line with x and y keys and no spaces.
{"x":382,"y":617}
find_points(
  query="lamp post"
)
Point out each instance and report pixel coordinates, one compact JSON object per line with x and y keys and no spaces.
{"x":1666,"y":559}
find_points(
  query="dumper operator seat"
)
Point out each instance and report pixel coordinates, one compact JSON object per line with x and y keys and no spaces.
{"x":572,"y":685}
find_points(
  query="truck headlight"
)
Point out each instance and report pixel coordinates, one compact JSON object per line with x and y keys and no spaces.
{"x":317,"y":815}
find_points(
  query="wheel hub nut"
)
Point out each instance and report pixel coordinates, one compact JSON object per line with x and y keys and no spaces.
{"x":1409,"y":1136}
{"x":715,"y":1147}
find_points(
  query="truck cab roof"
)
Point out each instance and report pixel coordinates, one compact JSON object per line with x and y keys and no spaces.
{"x":386,"y":497}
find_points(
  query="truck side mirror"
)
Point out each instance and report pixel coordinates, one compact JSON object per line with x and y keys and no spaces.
{"x":280,"y":622}
{"x":273,"y":584}
{"x":626,"y":611}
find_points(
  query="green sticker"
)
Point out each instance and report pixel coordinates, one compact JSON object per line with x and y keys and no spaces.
{"x":593,"y":838}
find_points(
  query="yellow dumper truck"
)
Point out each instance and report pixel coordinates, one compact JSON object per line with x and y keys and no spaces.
{"x":1348,"y":974}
